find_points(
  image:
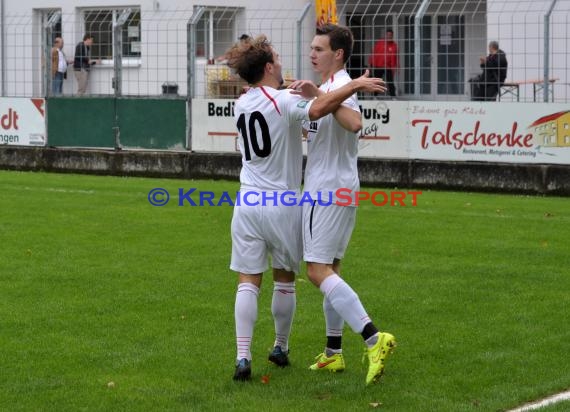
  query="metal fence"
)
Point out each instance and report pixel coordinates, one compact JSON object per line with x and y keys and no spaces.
{"x":440,"y":43}
{"x":180,"y":52}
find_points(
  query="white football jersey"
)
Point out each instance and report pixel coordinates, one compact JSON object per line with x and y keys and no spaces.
{"x":332,"y":151}
{"x":269,"y":123}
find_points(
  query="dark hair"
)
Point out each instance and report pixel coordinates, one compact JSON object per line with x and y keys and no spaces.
{"x":249,"y":57}
{"x":244,"y":37}
{"x":340,"y":37}
{"x":87,"y":37}
{"x":389,"y":31}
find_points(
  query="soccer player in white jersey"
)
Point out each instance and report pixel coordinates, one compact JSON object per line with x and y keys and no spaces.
{"x":269,"y":122}
{"x":331,"y":164}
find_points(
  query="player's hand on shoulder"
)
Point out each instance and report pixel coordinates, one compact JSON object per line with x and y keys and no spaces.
{"x":304,"y":88}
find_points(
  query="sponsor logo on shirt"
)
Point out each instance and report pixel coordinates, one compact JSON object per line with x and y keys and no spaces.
{"x":313,"y":127}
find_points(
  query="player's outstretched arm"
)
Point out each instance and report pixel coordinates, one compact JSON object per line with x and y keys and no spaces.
{"x":365,"y":83}
{"x":328,"y":102}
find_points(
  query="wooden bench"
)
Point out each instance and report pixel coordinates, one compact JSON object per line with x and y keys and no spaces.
{"x":513,"y":88}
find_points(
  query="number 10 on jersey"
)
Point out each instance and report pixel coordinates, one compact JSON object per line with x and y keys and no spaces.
{"x":251,"y":138}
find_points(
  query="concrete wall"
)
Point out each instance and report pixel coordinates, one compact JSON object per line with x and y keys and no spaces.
{"x":464,"y":176}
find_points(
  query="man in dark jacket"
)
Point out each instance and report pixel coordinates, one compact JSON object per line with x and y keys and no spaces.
{"x":486,"y":86}
{"x":82,"y":63}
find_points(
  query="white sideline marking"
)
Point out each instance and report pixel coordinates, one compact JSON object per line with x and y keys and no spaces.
{"x":87,"y":192}
{"x":563,"y":396}
{"x":59,"y":190}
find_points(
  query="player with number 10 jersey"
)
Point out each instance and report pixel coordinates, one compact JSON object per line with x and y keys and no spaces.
{"x":269,"y":125}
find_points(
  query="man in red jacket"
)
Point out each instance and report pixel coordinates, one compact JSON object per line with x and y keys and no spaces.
{"x":384,"y":60}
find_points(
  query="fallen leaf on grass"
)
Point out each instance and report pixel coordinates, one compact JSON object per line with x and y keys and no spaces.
{"x":375,"y":404}
{"x":323,"y":396}
{"x":265,"y":379}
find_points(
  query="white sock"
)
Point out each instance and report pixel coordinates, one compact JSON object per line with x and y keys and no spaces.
{"x":245,"y":316}
{"x":334,"y":322}
{"x":345,"y":302}
{"x":330,"y":352}
{"x":371,"y":341}
{"x":283,"y":309}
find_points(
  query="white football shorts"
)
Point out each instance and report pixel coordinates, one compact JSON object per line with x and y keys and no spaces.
{"x":326,"y":231}
{"x":262,"y":230}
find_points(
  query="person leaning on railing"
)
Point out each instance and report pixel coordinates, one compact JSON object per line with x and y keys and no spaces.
{"x":82,"y":63}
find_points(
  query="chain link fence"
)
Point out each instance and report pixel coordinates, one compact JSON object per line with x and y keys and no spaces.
{"x":179,"y":52}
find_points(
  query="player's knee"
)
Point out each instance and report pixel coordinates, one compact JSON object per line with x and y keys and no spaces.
{"x":282,"y":275}
{"x":317,"y":272}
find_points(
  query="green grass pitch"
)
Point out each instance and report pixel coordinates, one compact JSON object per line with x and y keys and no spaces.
{"x":110,"y":304}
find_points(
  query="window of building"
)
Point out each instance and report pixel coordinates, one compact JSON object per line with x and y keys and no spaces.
{"x":216,"y":32}
{"x":549,"y":139}
{"x":99,"y":23}
{"x":566,"y":126}
{"x":566,"y":139}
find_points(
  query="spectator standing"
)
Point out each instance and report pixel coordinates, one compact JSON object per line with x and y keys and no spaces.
{"x":384,"y":60}
{"x":82,"y":63}
{"x":58,"y":66}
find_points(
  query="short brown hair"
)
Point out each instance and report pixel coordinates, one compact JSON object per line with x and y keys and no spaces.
{"x":340,"y":37}
{"x":249,"y":57}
